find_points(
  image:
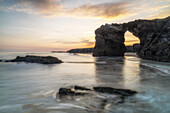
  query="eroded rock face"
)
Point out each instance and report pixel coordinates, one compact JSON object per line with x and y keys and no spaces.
{"x":109,"y":40}
{"x":154,"y":38}
{"x":36,"y":59}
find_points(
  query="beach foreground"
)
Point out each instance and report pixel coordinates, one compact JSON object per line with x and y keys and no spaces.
{"x":32,"y":88}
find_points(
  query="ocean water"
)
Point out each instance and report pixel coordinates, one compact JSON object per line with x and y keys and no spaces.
{"x":32,"y":88}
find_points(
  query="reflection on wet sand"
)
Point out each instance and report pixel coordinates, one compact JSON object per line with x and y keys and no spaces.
{"x":118,"y":72}
{"x":131,"y":73}
{"x":109,"y":71}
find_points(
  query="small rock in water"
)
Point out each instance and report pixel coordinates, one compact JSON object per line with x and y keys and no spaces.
{"x":81,"y":88}
{"x":36,"y":59}
{"x":69,"y":92}
{"x":123,"y":92}
{"x":65,"y":91}
{"x":73,"y":92}
{"x":109,"y":95}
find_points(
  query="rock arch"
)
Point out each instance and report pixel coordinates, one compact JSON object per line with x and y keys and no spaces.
{"x":154,"y":38}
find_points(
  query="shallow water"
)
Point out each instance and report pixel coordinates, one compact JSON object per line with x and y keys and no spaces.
{"x":31,"y":88}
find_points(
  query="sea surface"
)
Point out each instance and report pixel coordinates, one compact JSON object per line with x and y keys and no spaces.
{"x":32,"y":88}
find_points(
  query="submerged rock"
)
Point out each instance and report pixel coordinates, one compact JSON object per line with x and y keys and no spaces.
{"x":123,"y":92}
{"x":154,"y":38}
{"x":96,"y":99}
{"x":70,"y":92}
{"x":36,"y":59}
{"x":76,"y":90}
{"x":111,"y":94}
{"x":81,"y":88}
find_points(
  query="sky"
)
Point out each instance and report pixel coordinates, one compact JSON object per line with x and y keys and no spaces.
{"x":48,"y":25}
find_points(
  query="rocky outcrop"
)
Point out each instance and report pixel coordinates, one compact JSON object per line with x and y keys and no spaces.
{"x":133,"y":48}
{"x":122,"y":92}
{"x":70,"y":92}
{"x":58,"y":52}
{"x":154,"y":38}
{"x":81,"y":50}
{"x":76,"y":90}
{"x":107,"y":93}
{"x":36,"y":59}
{"x":110,"y":40}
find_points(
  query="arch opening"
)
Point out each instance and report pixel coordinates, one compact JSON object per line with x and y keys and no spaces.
{"x":131,"y":42}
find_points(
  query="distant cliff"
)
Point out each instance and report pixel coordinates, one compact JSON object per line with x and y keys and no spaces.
{"x":81,"y":50}
{"x":133,"y":48}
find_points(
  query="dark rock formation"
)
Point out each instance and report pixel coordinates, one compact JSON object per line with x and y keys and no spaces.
{"x":70,"y":92}
{"x":136,"y":47}
{"x":133,"y":48}
{"x":74,"y":92}
{"x":81,"y":50}
{"x":81,"y":88}
{"x":36,"y":59}
{"x":94,"y":99}
{"x":122,"y":92}
{"x":154,"y":38}
{"x":110,"y":40}
{"x":58,"y":52}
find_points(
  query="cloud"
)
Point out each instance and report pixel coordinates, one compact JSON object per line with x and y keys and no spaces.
{"x":57,"y":8}
{"x":65,"y":42}
{"x":86,"y":42}
{"x":87,"y":8}
{"x":44,"y":7}
{"x":106,"y":10}
{"x":162,"y":13}
{"x":127,"y":41}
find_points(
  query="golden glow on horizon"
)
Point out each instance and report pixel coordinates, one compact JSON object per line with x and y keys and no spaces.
{"x":56,"y":25}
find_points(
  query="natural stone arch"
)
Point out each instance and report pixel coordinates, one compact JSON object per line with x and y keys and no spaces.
{"x":154,"y":38}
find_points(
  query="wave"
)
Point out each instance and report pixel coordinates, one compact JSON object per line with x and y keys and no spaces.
{"x":101,"y":62}
{"x":66,"y":106}
{"x":159,"y":68}
{"x":42,"y":93}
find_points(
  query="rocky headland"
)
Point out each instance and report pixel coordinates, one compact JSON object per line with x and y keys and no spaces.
{"x":81,"y":50}
{"x":58,"y":51}
{"x":133,"y":48}
{"x":36,"y":59}
{"x":154,"y":38}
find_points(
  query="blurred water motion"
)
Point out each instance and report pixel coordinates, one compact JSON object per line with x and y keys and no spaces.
{"x":30,"y":88}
